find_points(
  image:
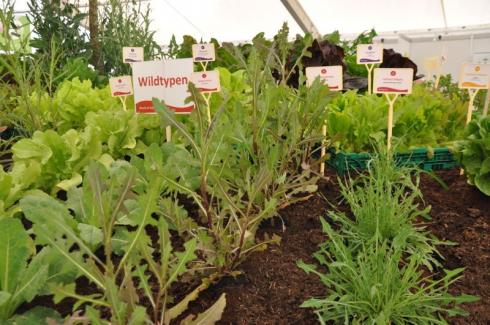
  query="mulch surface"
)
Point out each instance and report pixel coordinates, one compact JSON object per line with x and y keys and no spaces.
{"x":462,"y":214}
{"x":272,"y":287}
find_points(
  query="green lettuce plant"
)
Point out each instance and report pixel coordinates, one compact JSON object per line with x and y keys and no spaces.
{"x":425,"y":118}
{"x":55,"y":161}
{"x":474,"y":153}
{"x":67,"y":107}
{"x":25,"y":273}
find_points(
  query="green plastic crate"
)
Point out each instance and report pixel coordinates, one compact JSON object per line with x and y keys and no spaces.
{"x":442,"y":159}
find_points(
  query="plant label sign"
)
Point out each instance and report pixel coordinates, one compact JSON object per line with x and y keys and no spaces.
{"x":121,"y":86}
{"x":369,"y":53}
{"x":474,"y":76}
{"x":203,"y":52}
{"x":166,"y":80}
{"x":206,"y":81}
{"x":329,"y":75}
{"x":393,"y":81}
{"x":133,"y":54}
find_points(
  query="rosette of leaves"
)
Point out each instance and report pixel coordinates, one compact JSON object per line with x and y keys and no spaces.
{"x":70,"y":103}
{"x":111,"y":212}
{"x":25,"y":273}
{"x":474,"y":153}
{"x":375,"y":285}
{"x":54,"y":161}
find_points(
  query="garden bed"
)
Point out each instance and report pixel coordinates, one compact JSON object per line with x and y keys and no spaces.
{"x":272,"y":287}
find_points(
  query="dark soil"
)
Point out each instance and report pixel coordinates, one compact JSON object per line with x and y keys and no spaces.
{"x":462,"y":214}
{"x":271,"y":287}
{"x":274,"y":286}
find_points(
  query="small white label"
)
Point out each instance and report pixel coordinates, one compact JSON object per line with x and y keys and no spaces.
{"x":133,"y":54}
{"x":432,"y":64}
{"x":203,"y":52}
{"x":369,"y":53}
{"x":393,"y":81}
{"x":329,"y":75}
{"x":121,"y":86}
{"x":474,"y":76}
{"x":206,"y":81}
{"x":166,"y":80}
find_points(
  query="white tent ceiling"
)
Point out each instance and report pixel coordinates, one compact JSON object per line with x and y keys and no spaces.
{"x":235,"y":20}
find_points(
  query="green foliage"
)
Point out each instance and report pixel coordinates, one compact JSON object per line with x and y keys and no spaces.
{"x":67,"y":107}
{"x":425,"y":118}
{"x":394,"y":221}
{"x":125,"y":24}
{"x":451,"y":90}
{"x":23,"y":272}
{"x":55,"y":161}
{"x":350,"y":49}
{"x":61,"y":24}
{"x":474,"y":153}
{"x":107,"y":192}
{"x":375,"y":285}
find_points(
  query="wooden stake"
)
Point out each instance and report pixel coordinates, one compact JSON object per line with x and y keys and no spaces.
{"x":472,"y":93}
{"x":391,"y":102}
{"x":123,"y":101}
{"x":487,"y":102}
{"x":168,"y":131}
{"x":207,"y":97}
{"x":369,"y":68}
{"x":469,"y":114}
{"x":324,"y":147}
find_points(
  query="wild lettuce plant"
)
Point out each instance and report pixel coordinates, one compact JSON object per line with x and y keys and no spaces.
{"x":374,"y":284}
{"x":97,"y":216}
{"x":385,"y":206}
{"x":25,"y":273}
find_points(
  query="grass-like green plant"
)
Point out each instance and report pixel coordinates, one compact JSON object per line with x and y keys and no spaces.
{"x":385,"y":204}
{"x":374,"y":284}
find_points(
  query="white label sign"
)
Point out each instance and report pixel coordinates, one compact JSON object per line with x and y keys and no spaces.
{"x":121,"y":86}
{"x":393,"y":81}
{"x":166,"y":80}
{"x":206,"y":81}
{"x":475,"y":76}
{"x":330,"y":75}
{"x":133,"y":54}
{"x":203,"y":52}
{"x":369,"y":53}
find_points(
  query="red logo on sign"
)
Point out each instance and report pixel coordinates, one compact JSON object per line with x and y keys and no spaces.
{"x":393,"y":73}
{"x":324,"y":71}
{"x":202,"y":47}
{"x":204,"y":75}
{"x":119,"y":81}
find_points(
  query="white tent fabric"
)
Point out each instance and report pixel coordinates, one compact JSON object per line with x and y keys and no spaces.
{"x":239,"y":20}
{"x":353,"y":16}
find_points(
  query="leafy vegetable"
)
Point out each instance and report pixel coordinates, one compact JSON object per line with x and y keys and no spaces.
{"x":474,"y":153}
{"x":375,"y":286}
{"x":426,"y":118}
{"x":23,"y":274}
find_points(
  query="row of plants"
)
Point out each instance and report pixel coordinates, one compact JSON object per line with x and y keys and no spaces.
{"x":97,"y":199}
{"x":426,"y":118}
{"x":379,"y":263}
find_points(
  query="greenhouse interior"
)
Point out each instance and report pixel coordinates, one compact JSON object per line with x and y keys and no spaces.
{"x":244,"y":162}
